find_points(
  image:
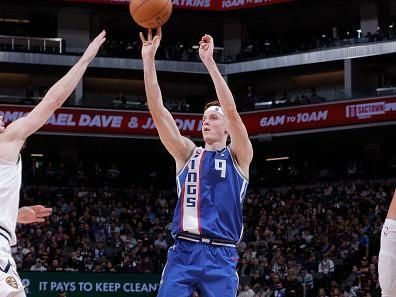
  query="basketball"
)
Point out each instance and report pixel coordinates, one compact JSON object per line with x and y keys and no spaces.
{"x":150,"y":14}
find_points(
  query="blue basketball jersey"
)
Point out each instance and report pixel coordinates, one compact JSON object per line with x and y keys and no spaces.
{"x":211,"y":191}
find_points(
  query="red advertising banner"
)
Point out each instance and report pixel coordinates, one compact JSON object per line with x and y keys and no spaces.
{"x":322,"y":116}
{"x":114,"y":123}
{"x":217,"y":5}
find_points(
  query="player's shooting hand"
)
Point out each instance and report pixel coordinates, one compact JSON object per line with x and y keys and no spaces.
{"x":206,"y":46}
{"x":150,"y":45}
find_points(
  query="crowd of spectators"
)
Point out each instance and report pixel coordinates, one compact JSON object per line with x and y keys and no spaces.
{"x":251,"y":101}
{"x":258,"y":46}
{"x":123,"y":101}
{"x":246,"y":101}
{"x":179,"y":50}
{"x":263,"y":47}
{"x":315,"y":240}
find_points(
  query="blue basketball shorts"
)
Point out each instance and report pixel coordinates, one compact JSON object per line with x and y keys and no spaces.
{"x":198,"y":266}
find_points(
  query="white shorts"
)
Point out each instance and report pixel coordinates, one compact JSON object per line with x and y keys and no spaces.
{"x":10,"y":282}
{"x":387,"y":259}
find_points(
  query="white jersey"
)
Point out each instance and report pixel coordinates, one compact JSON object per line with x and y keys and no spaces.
{"x":10,"y":184}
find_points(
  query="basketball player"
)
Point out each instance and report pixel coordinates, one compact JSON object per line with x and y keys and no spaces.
{"x":387,"y":256}
{"x":211,"y":185}
{"x":12,"y":139}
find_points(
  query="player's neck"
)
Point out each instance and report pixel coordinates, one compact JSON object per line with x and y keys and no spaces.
{"x":215,"y":146}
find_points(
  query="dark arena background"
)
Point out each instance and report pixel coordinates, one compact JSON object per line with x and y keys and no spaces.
{"x":315,"y":83}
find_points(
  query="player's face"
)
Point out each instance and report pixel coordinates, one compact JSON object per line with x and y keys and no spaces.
{"x":213,"y":126}
{"x":2,"y":125}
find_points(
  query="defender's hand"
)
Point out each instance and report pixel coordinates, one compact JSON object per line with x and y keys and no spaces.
{"x":33,"y":214}
{"x":93,"y":48}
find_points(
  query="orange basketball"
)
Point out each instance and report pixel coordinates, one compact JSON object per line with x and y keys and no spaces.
{"x":150,"y":13}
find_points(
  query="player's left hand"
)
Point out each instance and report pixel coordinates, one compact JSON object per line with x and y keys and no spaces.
{"x":206,"y":46}
{"x":151,"y":44}
{"x":33,"y":214}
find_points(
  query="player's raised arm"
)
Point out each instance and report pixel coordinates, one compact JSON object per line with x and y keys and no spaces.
{"x":56,"y":95}
{"x":240,"y":142}
{"x":178,"y":146}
